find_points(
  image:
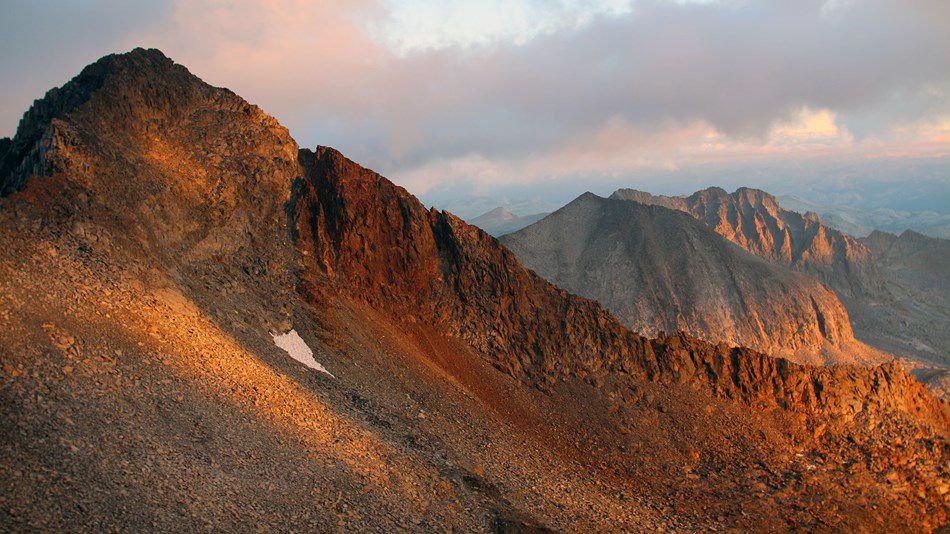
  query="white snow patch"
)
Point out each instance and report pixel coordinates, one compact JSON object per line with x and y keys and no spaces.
{"x":297,"y":349}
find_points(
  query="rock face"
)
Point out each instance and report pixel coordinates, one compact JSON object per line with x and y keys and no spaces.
{"x":158,"y":231}
{"x":124,"y":132}
{"x":917,"y":270}
{"x":753,"y":219}
{"x":659,"y":270}
{"x":380,"y":245}
{"x":919,"y":265}
{"x":884,"y":312}
{"x":500,"y":221}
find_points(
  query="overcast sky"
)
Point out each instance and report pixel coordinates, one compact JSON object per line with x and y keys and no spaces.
{"x":532,"y":97}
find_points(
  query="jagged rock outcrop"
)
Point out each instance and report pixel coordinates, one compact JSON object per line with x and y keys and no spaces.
{"x":660,"y":270}
{"x":380,"y":245}
{"x":753,"y":219}
{"x":889,"y":309}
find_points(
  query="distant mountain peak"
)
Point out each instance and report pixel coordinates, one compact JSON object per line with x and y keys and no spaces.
{"x":660,"y":269}
{"x":500,"y":213}
{"x":500,"y":221}
{"x":625,"y":192}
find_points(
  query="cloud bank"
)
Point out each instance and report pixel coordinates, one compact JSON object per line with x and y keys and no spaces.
{"x":441,"y":93}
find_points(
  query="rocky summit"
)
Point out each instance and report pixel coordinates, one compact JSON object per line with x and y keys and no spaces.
{"x":158,"y":234}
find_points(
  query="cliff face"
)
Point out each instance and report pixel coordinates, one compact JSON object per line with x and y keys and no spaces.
{"x":657,"y":270}
{"x":753,"y":219}
{"x":911,"y":255}
{"x":888,"y":306}
{"x":380,"y":245}
{"x":917,"y":268}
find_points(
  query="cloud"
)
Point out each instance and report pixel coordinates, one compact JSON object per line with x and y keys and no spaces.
{"x":446,"y":92}
{"x":411,"y":26}
{"x":622,"y":150}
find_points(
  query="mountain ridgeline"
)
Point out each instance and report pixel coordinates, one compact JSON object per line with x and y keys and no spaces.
{"x":889,"y":310}
{"x":659,"y":270}
{"x":754,"y":220}
{"x":156,"y":232}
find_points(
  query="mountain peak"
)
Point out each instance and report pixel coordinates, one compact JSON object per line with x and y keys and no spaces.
{"x":911,"y":234}
{"x":714,"y":191}
{"x":138,"y":71}
{"x":149,"y":59}
{"x":628,"y":193}
{"x":756,"y":196}
{"x":666,"y":271}
{"x":583,"y":199}
{"x":499,"y":213}
{"x":204,"y":161}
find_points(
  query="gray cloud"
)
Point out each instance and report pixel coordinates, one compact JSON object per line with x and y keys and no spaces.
{"x":739,"y":68}
{"x":736,"y":66}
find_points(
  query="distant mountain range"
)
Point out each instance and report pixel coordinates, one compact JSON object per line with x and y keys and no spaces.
{"x":857,"y":207}
{"x":883,"y":312}
{"x":893,"y":287}
{"x":658,"y":269}
{"x":754,"y":220}
{"x":469,"y":207}
{"x":860,"y":221}
{"x":500,"y":221}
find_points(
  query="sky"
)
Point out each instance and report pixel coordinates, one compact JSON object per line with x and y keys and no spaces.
{"x":520,"y":101}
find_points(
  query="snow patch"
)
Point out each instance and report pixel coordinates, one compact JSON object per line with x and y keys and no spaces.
{"x":297,"y":349}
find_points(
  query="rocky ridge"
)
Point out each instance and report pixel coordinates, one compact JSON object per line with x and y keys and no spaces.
{"x":753,"y":219}
{"x":883,"y":313}
{"x":659,"y":270}
{"x":431,"y":266}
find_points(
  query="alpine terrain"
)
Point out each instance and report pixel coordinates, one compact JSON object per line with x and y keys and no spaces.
{"x":896,"y":309}
{"x":206,"y":327}
{"x":659,"y":270}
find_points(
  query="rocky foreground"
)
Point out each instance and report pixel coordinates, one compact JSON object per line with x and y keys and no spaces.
{"x":157,"y":231}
